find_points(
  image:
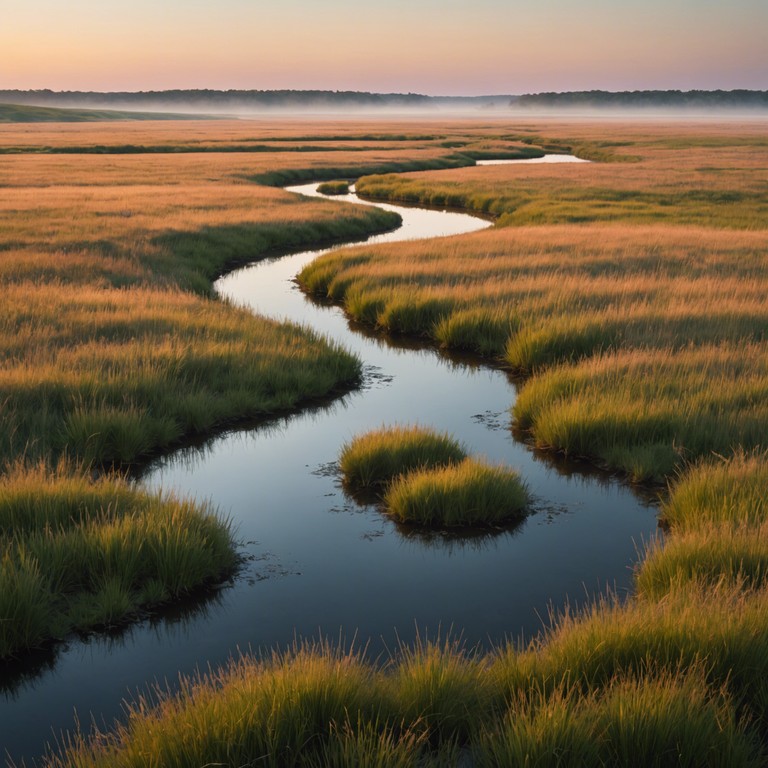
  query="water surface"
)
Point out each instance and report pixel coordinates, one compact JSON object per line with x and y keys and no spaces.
{"x":549,"y":159}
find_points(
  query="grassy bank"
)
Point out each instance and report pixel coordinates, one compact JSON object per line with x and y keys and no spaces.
{"x":288,"y":176}
{"x":24,"y":113}
{"x":108,"y":356}
{"x":647,"y":343}
{"x":693,"y":178}
{"x":77,"y":553}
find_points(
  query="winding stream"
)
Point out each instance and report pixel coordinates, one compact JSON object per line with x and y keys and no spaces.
{"x":321,"y":564}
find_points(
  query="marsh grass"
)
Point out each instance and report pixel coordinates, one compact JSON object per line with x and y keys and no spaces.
{"x":711,"y":554}
{"x":650,"y":189}
{"x":334,"y":188}
{"x":80,"y":553}
{"x":284,"y":177}
{"x":24,"y":113}
{"x":718,"y":492}
{"x":439,"y":690}
{"x":471,"y":493}
{"x":374,"y":459}
{"x":719,"y":529}
{"x":646,"y":411}
{"x":650,"y":721}
{"x":288,"y":709}
{"x":435,"y":704}
{"x":110,"y":376}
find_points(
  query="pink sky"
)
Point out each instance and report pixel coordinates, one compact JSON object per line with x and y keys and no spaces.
{"x":435,"y":47}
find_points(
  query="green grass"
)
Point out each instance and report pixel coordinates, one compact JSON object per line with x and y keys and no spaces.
{"x":114,"y":362}
{"x":141,"y":370}
{"x":425,"y":477}
{"x":471,"y":493}
{"x":285,"y":177}
{"x":319,"y":706}
{"x":482,"y":331}
{"x":719,"y":526}
{"x":718,"y":492}
{"x":78,"y":553}
{"x":374,"y":459}
{"x":529,"y":204}
{"x":713,"y":554}
{"x":334,"y":188}
{"x":193,"y":259}
{"x":650,"y":721}
{"x":514,"y":153}
{"x":176,"y":148}
{"x":647,"y":413}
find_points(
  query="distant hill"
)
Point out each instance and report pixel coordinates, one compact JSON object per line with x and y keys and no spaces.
{"x":24,"y":113}
{"x":738,"y":99}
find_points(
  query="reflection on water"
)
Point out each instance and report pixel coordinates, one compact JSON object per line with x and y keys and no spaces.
{"x":319,"y":563}
{"x":547,"y":159}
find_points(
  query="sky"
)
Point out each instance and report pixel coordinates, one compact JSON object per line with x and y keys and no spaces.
{"x":435,"y":47}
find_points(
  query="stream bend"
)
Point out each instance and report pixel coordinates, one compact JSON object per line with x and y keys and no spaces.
{"x":320,"y":564}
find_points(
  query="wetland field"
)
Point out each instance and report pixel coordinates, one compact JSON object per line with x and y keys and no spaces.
{"x":458,"y":460}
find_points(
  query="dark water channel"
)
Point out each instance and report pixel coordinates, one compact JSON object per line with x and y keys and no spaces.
{"x":319,"y":564}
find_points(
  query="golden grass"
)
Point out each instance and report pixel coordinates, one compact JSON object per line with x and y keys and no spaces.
{"x":96,"y":333}
{"x":110,"y":375}
{"x":722,"y":186}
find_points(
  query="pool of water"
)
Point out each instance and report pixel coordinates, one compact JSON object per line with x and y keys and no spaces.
{"x":319,"y":564}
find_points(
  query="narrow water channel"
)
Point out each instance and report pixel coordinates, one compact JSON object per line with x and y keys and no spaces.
{"x":320,"y":564}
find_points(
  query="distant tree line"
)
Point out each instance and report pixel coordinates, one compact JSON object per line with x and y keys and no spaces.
{"x":208,"y":97}
{"x":715,"y":99}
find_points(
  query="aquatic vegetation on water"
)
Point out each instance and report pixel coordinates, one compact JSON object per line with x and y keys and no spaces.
{"x":471,"y":493}
{"x":374,"y":459}
{"x":334,"y":188}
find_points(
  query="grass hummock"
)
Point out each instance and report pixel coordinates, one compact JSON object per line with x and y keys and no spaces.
{"x":334,"y":188}
{"x":471,"y":493}
{"x":374,"y":459}
{"x":77,"y":553}
{"x":426,"y":478}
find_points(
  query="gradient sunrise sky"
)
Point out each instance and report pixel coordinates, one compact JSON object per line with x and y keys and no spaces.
{"x":426,"y":46}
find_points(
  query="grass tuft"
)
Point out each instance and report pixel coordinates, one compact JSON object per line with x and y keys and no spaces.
{"x":471,"y":493}
{"x":374,"y":459}
{"x":334,"y":188}
{"x":79,"y":553}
